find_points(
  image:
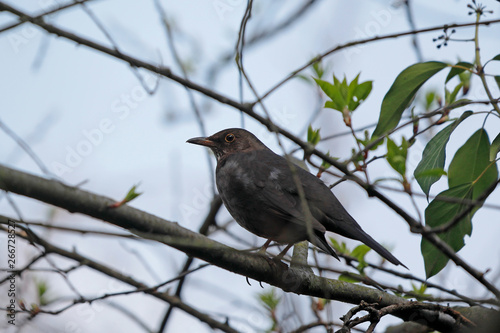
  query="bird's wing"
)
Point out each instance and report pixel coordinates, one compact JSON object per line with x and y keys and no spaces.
{"x":327,"y":209}
{"x":279,"y":191}
{"x":325,"y":206}
{"x":328,"y":212}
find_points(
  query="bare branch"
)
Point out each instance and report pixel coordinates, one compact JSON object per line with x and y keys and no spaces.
{"x":139,"y":287}
{"x":151,"y":227}
{"x":369,"y":40}
{"x":24,"y":146}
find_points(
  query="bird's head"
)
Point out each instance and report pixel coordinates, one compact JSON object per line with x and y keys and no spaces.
{"x":230,"y":141}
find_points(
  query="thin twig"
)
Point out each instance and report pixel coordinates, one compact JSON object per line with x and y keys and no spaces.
{"x":192,"y":101}
{"x":411,"y":22}
{"x":368,"y":40}
{"x":24,"y":146}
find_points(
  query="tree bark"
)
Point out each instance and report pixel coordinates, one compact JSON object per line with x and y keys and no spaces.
{"x":299,"y":280}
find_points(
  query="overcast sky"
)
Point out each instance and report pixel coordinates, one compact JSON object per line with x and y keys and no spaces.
{"x":89,"y":119}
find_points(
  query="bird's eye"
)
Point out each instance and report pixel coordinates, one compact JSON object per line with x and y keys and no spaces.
{"x":230,"y":137}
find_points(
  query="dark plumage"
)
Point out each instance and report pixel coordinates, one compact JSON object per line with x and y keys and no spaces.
{"x":258,"y":189}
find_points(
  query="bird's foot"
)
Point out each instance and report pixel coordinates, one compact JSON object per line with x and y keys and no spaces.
{"x":276,"y":263}
{"x":262,"y":250}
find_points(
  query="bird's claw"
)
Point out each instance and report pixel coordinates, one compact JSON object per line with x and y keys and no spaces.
{"x":248,"y":281}
{"x":275,"y":262}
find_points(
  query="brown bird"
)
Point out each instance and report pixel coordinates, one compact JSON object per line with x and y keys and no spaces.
{"x":258,"y":189}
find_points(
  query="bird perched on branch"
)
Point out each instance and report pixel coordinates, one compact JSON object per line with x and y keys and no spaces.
{"x":259,"y":189}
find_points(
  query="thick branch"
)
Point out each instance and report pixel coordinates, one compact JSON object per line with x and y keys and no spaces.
{"x":149,"y":226}
{"x":293,"y":279}
{"x":248,"y":109}
{"x":172,"y":300}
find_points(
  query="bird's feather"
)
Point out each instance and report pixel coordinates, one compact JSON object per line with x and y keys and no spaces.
{"x":260,"y":190}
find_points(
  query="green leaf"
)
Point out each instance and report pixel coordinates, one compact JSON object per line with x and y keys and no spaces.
{"x":363,"y":90}
{"x":446,"y":96}
{"x":429,"y":99}
{"x":465,"y":78}
{"x":469,"y":175}
{"x":334,"y":92}
{"x":437,"y":172}
{"x":343,"y":95}
{"x":454,"y":71}
{"x":344,"y":89}
{"x":471,"y":164}
{"x":269,"y":299}
{"x":42,"y":290}
{"x":327,"y":87}
{"x":368,"y":141}
{"x":132,"y":194}
{"x":396,"y":156}
{"x":318,"y":69}
{"x":497,"y":80}
{"x":42,"y":287}
{"x":434,"y":155}
{"x":336,"y":81}
{"x":341,"y":248}
{"x":313,"y":136}
{"x":305,"y":78}
{"x":497,"y":58}
{"x":333,"y":105}
{"x":440,"y":212}
{"x":325,"y":165}
{"x":351,"y":88}
{"x":495,"y":148}
{"x":420,"y":292}
{"x":331,"y":90}
{"x":451,"y":97}
{"x":353,"y":105}
{"x":360,"y":251}
{"x":402,"y":92}
{"x":359,"y":94}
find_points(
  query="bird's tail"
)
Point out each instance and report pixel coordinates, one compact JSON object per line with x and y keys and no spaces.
{"x":372,"y":243}
{"x":320,"y":241}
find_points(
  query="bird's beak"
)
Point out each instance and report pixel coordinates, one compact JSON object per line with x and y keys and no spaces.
{"x":201,"y":141}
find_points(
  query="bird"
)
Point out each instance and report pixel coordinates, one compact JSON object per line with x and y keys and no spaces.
{"x":259,"y":189}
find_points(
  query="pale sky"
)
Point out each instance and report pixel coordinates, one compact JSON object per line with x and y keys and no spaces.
{"x":88,"y":118}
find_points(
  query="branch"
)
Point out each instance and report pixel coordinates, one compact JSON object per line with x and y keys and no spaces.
{"x":411,"y":22}
{"x":248,"y":109}
{"x":375,"y":313}
{"x":470,"y":207}
{"x":189,"y":92}
{"x":47,"y":13}
{"x":24,"y":146}
{"x":209,"y":221}
{"x":172,"y":300}
{"x":369,"y":40}
{"x":254,"y":266}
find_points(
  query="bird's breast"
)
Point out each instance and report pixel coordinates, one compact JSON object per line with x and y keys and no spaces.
{"x":233,"y":175}
{"x":252,"y":191}
{"x":239,"y":193}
